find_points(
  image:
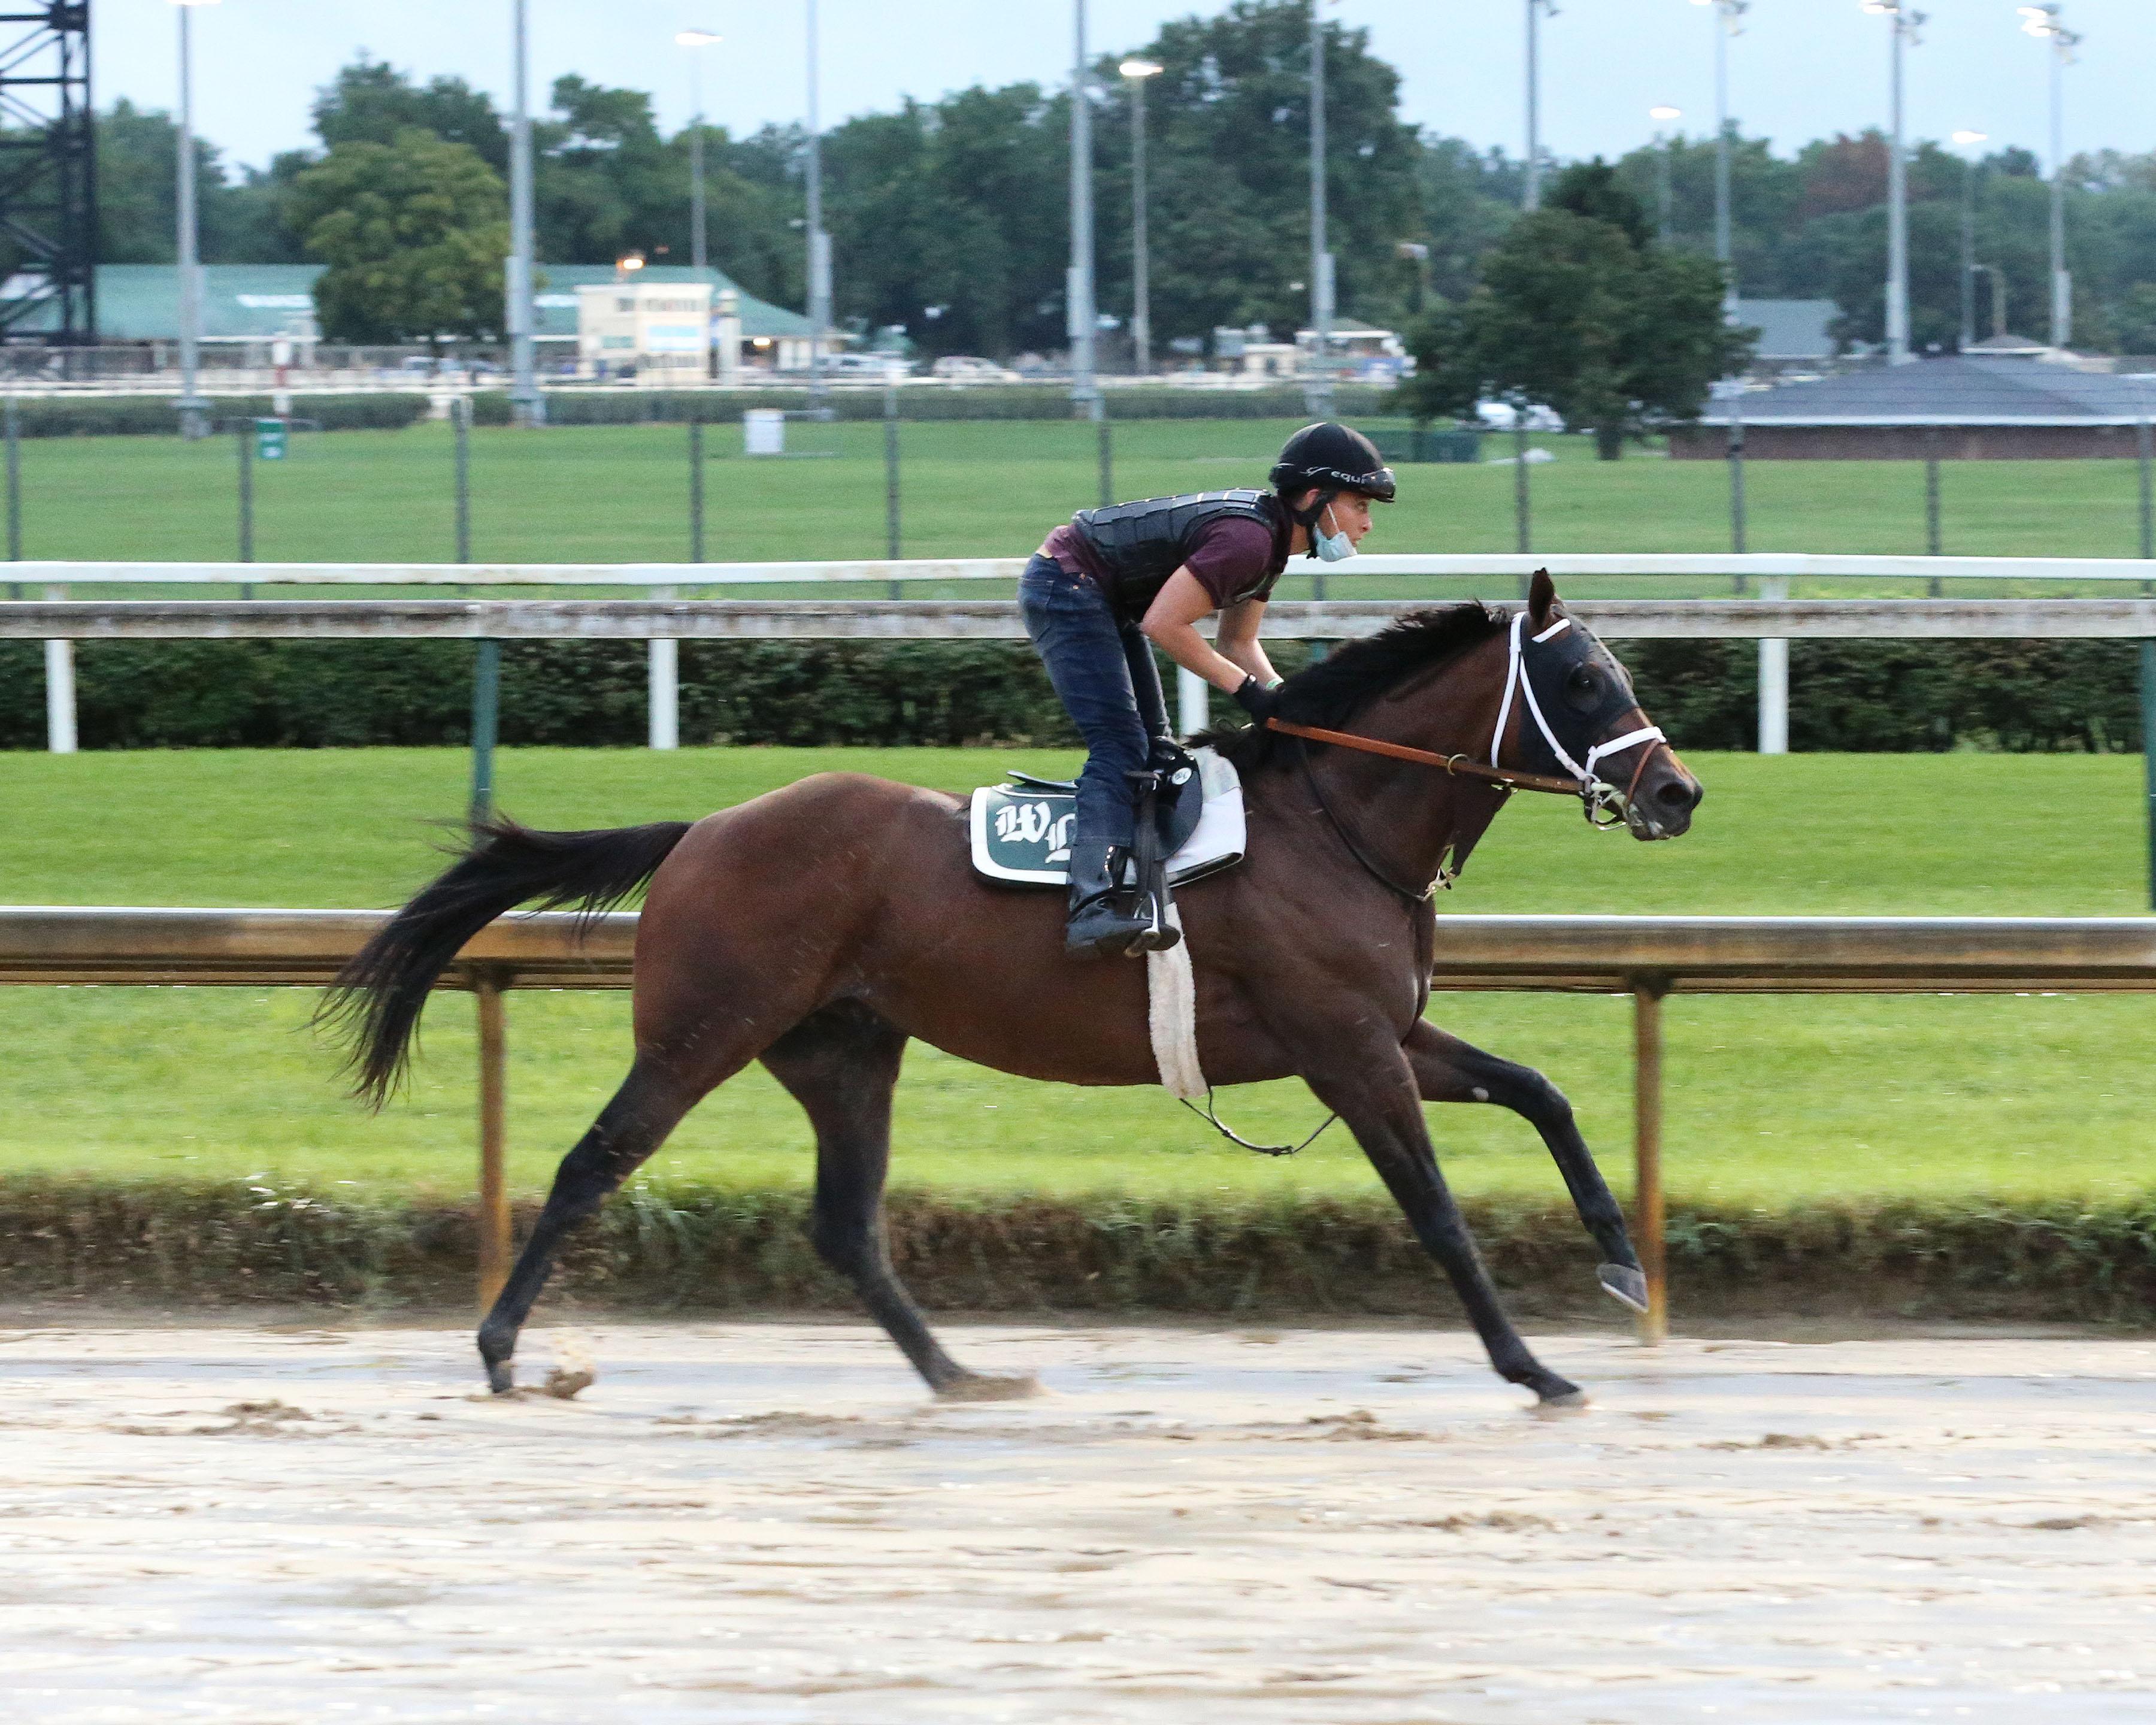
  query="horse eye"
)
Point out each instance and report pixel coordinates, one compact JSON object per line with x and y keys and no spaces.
{"x":1580,"y":687}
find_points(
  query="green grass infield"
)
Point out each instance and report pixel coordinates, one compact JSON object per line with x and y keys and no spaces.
{"x":1774,"y":1104}
{"x":610,"y":494}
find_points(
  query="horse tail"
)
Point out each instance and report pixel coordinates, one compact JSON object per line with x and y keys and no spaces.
{"x":376,"y":999}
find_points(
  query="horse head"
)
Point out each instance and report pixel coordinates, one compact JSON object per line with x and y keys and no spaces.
{"x":1568,"y":707}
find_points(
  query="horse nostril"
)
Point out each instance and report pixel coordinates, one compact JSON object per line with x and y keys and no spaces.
{"x":1680,"y":795}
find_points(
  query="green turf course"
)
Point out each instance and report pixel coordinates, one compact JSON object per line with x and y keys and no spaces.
{"x":1771,"y":1101}
{"x":986,"y":488}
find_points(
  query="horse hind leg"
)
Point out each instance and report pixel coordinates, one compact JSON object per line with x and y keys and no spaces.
{"x":648,"y":1106}
{"x":841,"y":1065}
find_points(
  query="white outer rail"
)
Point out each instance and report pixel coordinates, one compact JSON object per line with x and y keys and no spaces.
{"x":1773,"y":571}
{"x":1787,"y":566}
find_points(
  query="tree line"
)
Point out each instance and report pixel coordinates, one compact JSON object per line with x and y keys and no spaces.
{"x":948,"y":218}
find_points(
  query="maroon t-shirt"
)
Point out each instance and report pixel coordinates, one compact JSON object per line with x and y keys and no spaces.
{"x":1232,"y":558}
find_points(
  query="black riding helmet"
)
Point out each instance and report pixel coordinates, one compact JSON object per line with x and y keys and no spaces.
{"x":1334,"y":459}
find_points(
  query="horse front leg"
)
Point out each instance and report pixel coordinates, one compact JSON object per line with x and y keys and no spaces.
{"x":1372,"y":1089}
{"x":1447,"y":1069}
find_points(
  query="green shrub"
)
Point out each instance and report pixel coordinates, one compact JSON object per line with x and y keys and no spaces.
{"x":158,"y":415}
{"x":1853,"y":696}
{"x":683,"y":1247}
{"x":626,"y":405}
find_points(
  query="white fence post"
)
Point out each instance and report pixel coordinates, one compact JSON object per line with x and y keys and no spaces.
{"x":665,"y":695}
{"x":60,"y":689}
{"x":1190,"y":702}
{"x":1773,"y":682}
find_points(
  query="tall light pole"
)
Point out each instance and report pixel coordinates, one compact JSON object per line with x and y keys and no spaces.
{"x":1317,"y":394}
{"x":1966,"y":139}
{"x":193,"y":406}
{"x":526,"y":406}
{"x":2042,"y":22}
{"x":1078,"y":286}
{"x":1664,"y":144}
{"x":698,"y":243}
{"x":1727,"y":14}
{"x":819,"y":242}
{"x":1904,"y":21}
{"x":1138,"y":70}
{"x":1536,"y":11}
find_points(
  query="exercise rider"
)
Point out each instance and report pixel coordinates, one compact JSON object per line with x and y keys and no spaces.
{"x":1102,"y":593}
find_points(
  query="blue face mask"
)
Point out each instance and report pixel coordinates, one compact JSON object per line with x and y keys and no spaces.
{"x":1331,"y":548}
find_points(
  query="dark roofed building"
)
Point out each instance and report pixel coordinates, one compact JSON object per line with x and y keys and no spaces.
{"x":1964,"y":406}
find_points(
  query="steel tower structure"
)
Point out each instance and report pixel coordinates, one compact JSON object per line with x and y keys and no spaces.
{"x":47,"y":172}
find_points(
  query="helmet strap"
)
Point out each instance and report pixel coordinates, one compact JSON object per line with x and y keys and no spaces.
{"x":1306,"y":519}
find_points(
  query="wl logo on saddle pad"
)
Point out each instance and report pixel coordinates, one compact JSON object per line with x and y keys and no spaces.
{"x":1021,"y":831}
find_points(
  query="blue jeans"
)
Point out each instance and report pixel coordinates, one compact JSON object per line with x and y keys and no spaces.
{"x":1103,"y":670}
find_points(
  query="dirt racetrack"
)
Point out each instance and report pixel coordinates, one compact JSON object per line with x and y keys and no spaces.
{"x":768,"y":1523}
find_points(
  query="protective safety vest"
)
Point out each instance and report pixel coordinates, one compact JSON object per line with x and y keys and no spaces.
{"x":1138,"y":545}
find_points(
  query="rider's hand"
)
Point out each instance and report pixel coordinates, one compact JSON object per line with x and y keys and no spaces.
{"x":1260,"y":700}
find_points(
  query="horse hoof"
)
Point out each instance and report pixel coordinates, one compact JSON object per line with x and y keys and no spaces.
{"x":988,"y":1387}
{"x":501,"y":1377}
{"x":1560,"y":1398}
{"x":1624,"y":1285}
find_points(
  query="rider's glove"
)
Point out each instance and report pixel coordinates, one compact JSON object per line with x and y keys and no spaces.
{"x":1260,"y":700}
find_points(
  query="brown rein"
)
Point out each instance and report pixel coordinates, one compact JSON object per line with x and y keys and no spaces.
{"x":1458,"y":766}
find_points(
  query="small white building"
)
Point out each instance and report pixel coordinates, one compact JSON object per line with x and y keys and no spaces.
{"x":659,"y":332}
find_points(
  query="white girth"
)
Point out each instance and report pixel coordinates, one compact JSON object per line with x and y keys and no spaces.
{"x":1516,"y":677}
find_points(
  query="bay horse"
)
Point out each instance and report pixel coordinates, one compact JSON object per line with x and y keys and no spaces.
{"x":819,"y":926}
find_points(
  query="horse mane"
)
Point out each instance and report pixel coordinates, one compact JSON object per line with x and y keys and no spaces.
{"x":1330,"y":693}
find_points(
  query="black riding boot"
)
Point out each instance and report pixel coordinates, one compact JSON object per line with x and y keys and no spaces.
{"x":1104,"y":918}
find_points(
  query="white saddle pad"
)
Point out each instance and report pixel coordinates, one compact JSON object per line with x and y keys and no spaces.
{"x":1021,"y":836}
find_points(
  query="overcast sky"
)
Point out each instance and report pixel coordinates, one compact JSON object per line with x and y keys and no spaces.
{"x":1802,"y":69}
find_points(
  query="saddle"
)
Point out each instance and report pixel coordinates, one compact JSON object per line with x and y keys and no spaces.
{"x":1021,"y":830}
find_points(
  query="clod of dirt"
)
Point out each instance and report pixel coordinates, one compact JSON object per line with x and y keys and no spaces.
{"x":272,"y":1417}
{"x":571,"y":1373}
{"x":1776,"y":1440}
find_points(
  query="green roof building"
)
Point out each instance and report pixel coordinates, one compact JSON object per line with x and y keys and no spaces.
{"x":260,"y":302}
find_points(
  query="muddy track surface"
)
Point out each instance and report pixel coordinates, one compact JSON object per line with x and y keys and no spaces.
{"x":768,"y":1523}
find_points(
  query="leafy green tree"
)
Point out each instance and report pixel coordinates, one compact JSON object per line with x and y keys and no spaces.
{"x":1468,"y":199}
{"x":371,"y":101}
{"x":2134,"y":318}
{"x":1577,"y":311}
{"x":138,"y":152}
{"x":1229,"y":173}
{"x":413,"y":232}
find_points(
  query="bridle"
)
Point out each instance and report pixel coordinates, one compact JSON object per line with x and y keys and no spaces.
{"x":1604,"y":805}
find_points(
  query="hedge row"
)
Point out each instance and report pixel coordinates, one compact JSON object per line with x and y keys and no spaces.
{"x":686,"y":1248}
{"x":388,"y":410}
{"x":159,"y":415}
{"x":1001,"y":401}
{"x":1858,"y":696}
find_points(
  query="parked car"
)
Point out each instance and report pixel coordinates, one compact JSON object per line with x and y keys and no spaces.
{"x":1501,"y":416}
{"x":878,"y":366}
{"x":967,"y":368}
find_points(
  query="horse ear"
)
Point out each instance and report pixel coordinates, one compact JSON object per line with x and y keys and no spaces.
{"x":1542,"y":599}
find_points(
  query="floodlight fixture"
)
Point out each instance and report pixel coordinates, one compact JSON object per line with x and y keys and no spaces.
{"x":1664,"y":112}
{"x":1971,"y":137}
{"x":696,"y":38}
{"x":1139,"y":67}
